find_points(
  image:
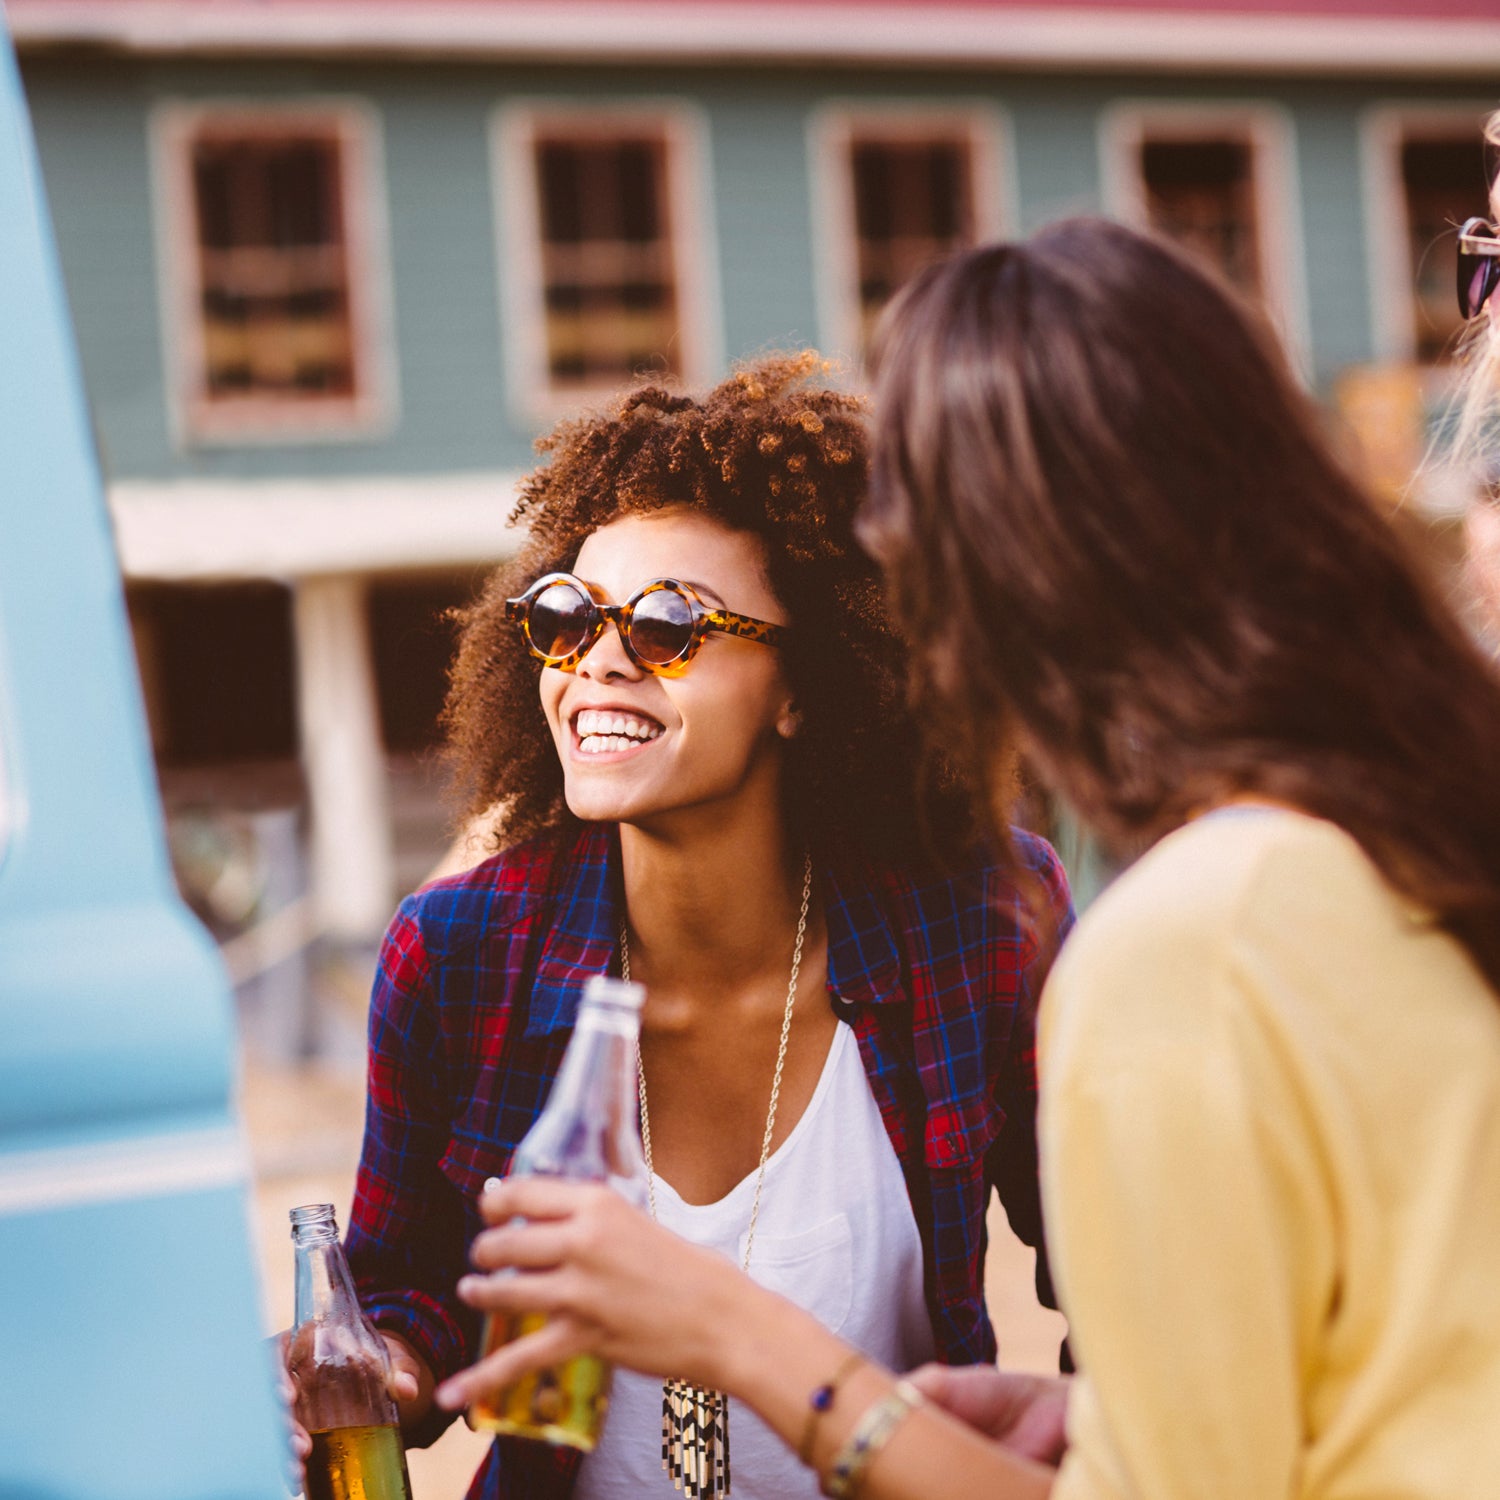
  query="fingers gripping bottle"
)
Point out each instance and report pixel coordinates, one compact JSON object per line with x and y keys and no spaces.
{"x":589,"y":1131}
{"x":339,"y":1367}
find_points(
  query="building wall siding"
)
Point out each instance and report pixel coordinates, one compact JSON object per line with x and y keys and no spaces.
{"x":763,"y":213}
{"x":1333,"y":230}
{"x":455,"y":412}
{"x":448,"y":328}
{"x":1056,"y":152}
{"x":90,"y":129}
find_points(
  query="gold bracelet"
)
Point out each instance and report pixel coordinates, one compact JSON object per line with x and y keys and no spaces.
{"x":871,"y":1433}
{"x":821,"y":1401}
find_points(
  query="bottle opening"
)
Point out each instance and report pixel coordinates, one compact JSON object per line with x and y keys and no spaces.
{"x":312,"y":1219}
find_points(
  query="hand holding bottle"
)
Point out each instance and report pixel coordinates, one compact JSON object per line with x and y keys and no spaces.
{"x":408,"y":1380}
{"x":587,"y":1133}
{"x":298,"y":1441}
{"x":342,"y":1376}
{"x":599,"y":1278}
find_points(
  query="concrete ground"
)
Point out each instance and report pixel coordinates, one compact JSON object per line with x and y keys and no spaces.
{"x":304,"y":1127}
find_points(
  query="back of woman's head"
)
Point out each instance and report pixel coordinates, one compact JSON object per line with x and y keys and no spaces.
{"x":773,"y":451}
{"x":1113,"y":526}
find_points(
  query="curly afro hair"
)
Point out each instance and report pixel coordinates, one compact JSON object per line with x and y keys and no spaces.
{"x":770,"y":451}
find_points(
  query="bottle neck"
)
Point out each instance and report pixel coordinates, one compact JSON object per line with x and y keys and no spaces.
{"x":590,"y":1126}
{"x":602,"y":1046}
{"x":325,"y":1289}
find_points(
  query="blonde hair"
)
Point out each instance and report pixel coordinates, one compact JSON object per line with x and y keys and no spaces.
{"x":1479,"y":350}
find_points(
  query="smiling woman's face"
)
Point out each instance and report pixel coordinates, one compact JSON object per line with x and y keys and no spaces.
{"x":636,"y":747}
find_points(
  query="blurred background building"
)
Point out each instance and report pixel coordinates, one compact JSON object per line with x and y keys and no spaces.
{"x":335,"y":263}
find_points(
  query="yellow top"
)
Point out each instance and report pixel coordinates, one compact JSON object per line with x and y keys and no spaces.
{"x":1271,"y":1166}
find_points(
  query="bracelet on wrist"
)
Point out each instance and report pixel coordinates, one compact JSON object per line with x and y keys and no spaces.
{"x":820,"y":1402}
{"x":871,"y":1433}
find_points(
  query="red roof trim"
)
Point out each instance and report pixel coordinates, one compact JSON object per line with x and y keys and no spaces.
{"x":1452,"y":37}
{"x":1429,"y":10}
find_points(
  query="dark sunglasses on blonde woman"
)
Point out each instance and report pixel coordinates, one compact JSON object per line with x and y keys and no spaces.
{"x":1478,"y":265}
{"x":661,"y":627}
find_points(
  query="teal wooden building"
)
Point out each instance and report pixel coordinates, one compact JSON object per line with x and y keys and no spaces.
{"x":335,"y":263}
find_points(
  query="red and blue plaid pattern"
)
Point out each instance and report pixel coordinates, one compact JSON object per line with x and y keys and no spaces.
{"x":474,"y":999}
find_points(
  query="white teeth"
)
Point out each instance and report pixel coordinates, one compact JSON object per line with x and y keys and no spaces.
{"x":600,"y":744}
{"x":593,"y":724}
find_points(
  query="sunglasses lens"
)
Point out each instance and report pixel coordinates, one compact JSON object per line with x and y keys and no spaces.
{"x":1477,"y":275}
{"x":1486,"y":281}
{"x":661,"y":628}
{"x":558,"y":621}
{"x":1470,"y":274}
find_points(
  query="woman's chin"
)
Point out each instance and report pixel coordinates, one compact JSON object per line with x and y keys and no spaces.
{"x":597,"y":804}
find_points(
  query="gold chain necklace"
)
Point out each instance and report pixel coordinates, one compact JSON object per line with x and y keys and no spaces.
{"x":694,"y":1421}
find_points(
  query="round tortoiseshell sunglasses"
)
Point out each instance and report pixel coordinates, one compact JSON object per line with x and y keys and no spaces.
{"x":661,"y":627}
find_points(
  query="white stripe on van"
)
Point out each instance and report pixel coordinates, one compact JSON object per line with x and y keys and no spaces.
{"x":142,"y":1167}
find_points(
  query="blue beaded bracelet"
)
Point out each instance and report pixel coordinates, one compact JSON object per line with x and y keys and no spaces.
{"x":821,"y":1401}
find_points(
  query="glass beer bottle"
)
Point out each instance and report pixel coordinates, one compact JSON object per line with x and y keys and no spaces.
{"x":339,"y":1366}
{"x":588,"y":1131}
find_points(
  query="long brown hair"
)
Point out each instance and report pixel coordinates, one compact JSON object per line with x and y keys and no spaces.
{"x":1115,"y":532}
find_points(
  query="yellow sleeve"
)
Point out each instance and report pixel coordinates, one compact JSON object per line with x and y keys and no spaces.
{"x":1189,"y":1218}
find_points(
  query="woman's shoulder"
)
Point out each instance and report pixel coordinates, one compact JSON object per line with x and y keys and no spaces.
{"x":1249,"y":888}
{"x":515,"y":885}
{"x":976,"y":874}
{"x":1221,"y":870}
{"x":974,"y":913}
{"x":1022,"y":896}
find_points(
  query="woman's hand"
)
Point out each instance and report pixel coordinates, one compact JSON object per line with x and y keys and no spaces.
{"x":286,"y":1390}
{"x":611,"y":1282}
{"x":1026,"y":1413}
{"x":407,"y":1378}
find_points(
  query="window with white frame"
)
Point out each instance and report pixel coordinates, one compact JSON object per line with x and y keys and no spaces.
{"x":1219,"y":177}
{"x":1442,"y":184}
{"x":914,"y":199}
{"x":611,"y":301}
{"x":1200,"y":190}
{"x":271,"y":258}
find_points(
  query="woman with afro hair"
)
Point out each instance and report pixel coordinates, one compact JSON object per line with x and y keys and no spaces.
{"x":682,"y":705}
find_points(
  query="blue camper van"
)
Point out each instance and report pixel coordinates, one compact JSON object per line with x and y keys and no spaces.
{"x":131,"y":1366}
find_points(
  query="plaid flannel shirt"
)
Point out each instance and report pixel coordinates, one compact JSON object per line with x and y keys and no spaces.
{"x":474,"y":999}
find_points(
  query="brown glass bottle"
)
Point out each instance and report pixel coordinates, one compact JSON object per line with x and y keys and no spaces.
{"x":588,"y":1131}
{"x":339,"y":1367}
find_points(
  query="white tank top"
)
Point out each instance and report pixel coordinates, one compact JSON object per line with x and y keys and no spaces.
{"x":836,"y":1235}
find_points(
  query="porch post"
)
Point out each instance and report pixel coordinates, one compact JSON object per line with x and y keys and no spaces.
{"x":352,"y":864}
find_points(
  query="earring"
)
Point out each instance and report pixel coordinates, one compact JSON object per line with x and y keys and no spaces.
{"x":789,"y":722}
